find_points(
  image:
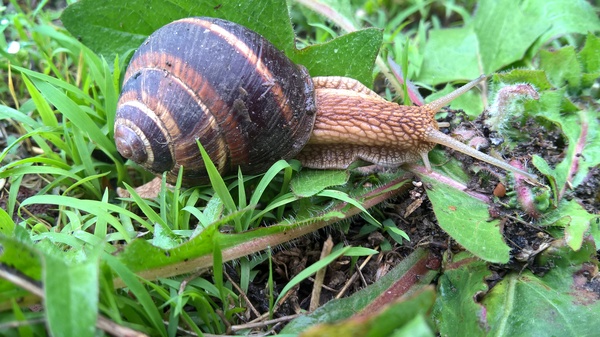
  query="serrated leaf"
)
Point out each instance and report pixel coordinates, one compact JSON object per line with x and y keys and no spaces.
{"x":310,"y":182}
{"x":583,"y":134}
{"x":465,"y":219}
{"x":537,"y":78}
{"x":589,"y":56}
{"x":20,"y":253}
{"x":70,"y":281}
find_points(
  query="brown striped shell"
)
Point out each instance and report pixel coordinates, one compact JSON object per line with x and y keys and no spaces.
{"x":217,"y":82}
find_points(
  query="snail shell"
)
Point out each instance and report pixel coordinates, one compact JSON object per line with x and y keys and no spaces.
{"x":219,"y":83}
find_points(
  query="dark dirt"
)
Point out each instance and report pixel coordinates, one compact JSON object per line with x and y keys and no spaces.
{"x":39,"y":211}
{"x":292,"y":258}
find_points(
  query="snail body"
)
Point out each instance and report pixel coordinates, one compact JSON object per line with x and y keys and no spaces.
{"x":226,"y":86}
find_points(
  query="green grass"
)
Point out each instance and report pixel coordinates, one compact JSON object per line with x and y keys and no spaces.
{"x":185,"y":260}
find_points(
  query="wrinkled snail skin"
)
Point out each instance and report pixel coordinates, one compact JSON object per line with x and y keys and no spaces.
{"x":357,"y":124}
{"x":226,"y":86}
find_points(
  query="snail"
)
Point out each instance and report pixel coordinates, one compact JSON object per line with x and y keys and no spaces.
{"x":218,"y":82}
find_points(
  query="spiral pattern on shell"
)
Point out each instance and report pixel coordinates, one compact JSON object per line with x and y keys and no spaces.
{"x":217,"y":82}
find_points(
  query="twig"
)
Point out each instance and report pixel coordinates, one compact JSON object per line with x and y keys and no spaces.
{"x":320,"y":276}
{"x":264,"y":323}
{"x":243,"y":295}
{"x":353,"y":278}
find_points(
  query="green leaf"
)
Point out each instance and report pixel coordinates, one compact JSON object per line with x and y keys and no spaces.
{"x":501,"y":33}
{"x":506,"y":29}
{"x":537,"y":78}
{"x":463,"y":278}
{"x":141,"y":294}
{"x":550,"y":174}
{"x":7,"y":225}
{"x":589,"y":55}
{"x":574,"y":218}
{"x":219,"y":186}
{"x":583,"y":134}
{"x":197,"y":252}
{"x":310,"y":182}
{"x":25,"y":330}
{"x":351,"y":55}
{"x":450,"y":54}
{"x":95,"y":207}
{"x":20,"y":253}
{"x":562,"y":67}
{"x":360,"y":251}
{"x":42,"y":106}
{"x":74,"y":113}
{"x":153,"y":217}
{"x":567,"y":17}
{"x":465,"y":219}
{"x":71,"y":290}
{"x":560,"y":303}
{"x":70,"y":280}
{"x":10,"y":113}
{"x":115,"y":27}
{"x":342,"y":196}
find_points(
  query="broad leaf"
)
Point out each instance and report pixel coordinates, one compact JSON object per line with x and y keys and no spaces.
{"x":71,"y":289}
{"x":502,"y":33}
{"x":466,"y":220}
{"x":116,"y":27}
{"x":560,"y":303}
